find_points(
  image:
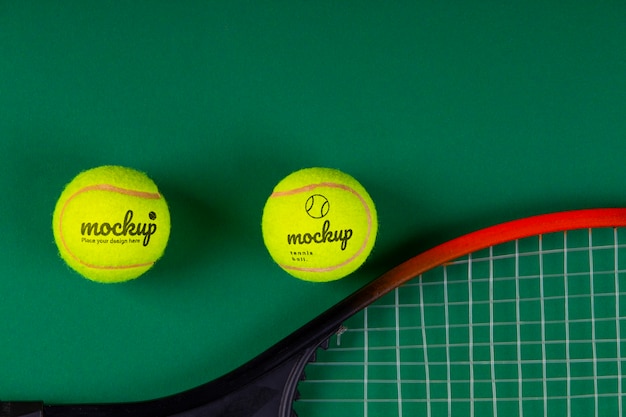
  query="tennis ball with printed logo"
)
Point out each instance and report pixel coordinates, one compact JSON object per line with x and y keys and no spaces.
{"x":111,"y":224}
{"x":319,"y":224}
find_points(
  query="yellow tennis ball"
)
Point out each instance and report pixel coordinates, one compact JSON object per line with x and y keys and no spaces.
{"x":319,"y":224}
{"x":111,"y":224}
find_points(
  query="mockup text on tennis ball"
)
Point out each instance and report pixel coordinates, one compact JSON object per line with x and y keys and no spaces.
{"x":124,"y":228}
{"x":326,"y":235}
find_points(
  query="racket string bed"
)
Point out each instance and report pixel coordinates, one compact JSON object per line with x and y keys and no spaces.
{"x":529,"y":327}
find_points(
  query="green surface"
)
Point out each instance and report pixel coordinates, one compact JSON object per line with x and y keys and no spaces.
{"x":454,"y":116}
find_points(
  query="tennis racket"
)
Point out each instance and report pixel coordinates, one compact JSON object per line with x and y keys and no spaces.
{"x":518,"y":319}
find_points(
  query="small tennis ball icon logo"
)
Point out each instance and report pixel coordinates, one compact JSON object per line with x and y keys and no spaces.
{"x":317,"y":206}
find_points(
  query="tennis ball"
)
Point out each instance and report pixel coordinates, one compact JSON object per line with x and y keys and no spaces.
{"x":319,"y":224}
{"x":111,"y":224}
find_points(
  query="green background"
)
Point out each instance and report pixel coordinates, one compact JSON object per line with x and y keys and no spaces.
{"x":454,"y":115}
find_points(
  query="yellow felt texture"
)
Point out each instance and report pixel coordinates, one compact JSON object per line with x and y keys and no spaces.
{"x":319,"y":224}
{"x":111,"y":224}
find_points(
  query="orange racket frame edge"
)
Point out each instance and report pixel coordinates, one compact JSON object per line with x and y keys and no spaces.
{"x":494,"y":235}
{"x":267,"y":385}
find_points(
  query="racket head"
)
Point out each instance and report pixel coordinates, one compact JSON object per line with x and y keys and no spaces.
{"x":529,"y":326}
